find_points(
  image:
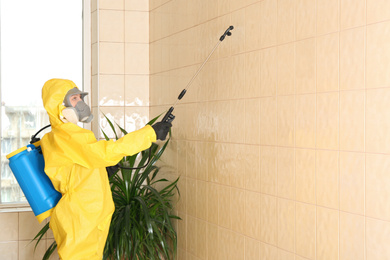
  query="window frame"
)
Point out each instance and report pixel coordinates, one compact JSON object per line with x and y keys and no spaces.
{"x":86,"y":74}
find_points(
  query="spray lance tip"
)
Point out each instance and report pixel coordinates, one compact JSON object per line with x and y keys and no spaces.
{"x":227,"y":33}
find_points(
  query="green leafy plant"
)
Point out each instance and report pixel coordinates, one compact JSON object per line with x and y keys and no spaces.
{"x":142,"y":224}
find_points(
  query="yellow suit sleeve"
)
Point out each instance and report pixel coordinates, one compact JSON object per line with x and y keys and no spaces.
{"x":98,"y":154}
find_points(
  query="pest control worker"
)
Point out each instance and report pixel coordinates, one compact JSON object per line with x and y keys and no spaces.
{"x":76,"y":164}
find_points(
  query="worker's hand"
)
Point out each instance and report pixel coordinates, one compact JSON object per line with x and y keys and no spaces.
{"x":162,"y":129}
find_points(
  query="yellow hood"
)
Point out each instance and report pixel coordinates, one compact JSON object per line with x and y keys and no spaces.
{"x":53,"y":94}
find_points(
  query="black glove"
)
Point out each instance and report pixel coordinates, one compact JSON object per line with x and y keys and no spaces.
{"x":162,"y":129}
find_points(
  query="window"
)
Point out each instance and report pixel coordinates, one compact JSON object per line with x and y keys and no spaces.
{"x":39,"y":40}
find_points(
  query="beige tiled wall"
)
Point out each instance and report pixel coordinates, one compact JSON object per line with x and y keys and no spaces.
{"x":17,"y":231}
{"x":120,"y":63}
{"x":283,"y":141}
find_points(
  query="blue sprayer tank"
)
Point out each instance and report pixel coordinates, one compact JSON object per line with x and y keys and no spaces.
{"x":27,"y":165}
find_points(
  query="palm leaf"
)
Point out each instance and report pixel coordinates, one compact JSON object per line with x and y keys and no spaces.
{"x":111,"y":125}
{"x":105,"y":136}
{"x":40,"y":235}
{"x":122,"y":130}
{"x":50,"y":251}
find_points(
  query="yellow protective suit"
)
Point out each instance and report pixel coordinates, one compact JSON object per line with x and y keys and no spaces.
{"x":75,"y":162}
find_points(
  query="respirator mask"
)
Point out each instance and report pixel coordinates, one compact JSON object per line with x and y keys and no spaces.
{"x":81,"y":112}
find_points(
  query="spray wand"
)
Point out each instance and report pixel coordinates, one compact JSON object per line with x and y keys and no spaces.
{"x":169,"y":116}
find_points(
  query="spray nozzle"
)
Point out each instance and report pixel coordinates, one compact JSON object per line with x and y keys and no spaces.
{"x":226,"y":33}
